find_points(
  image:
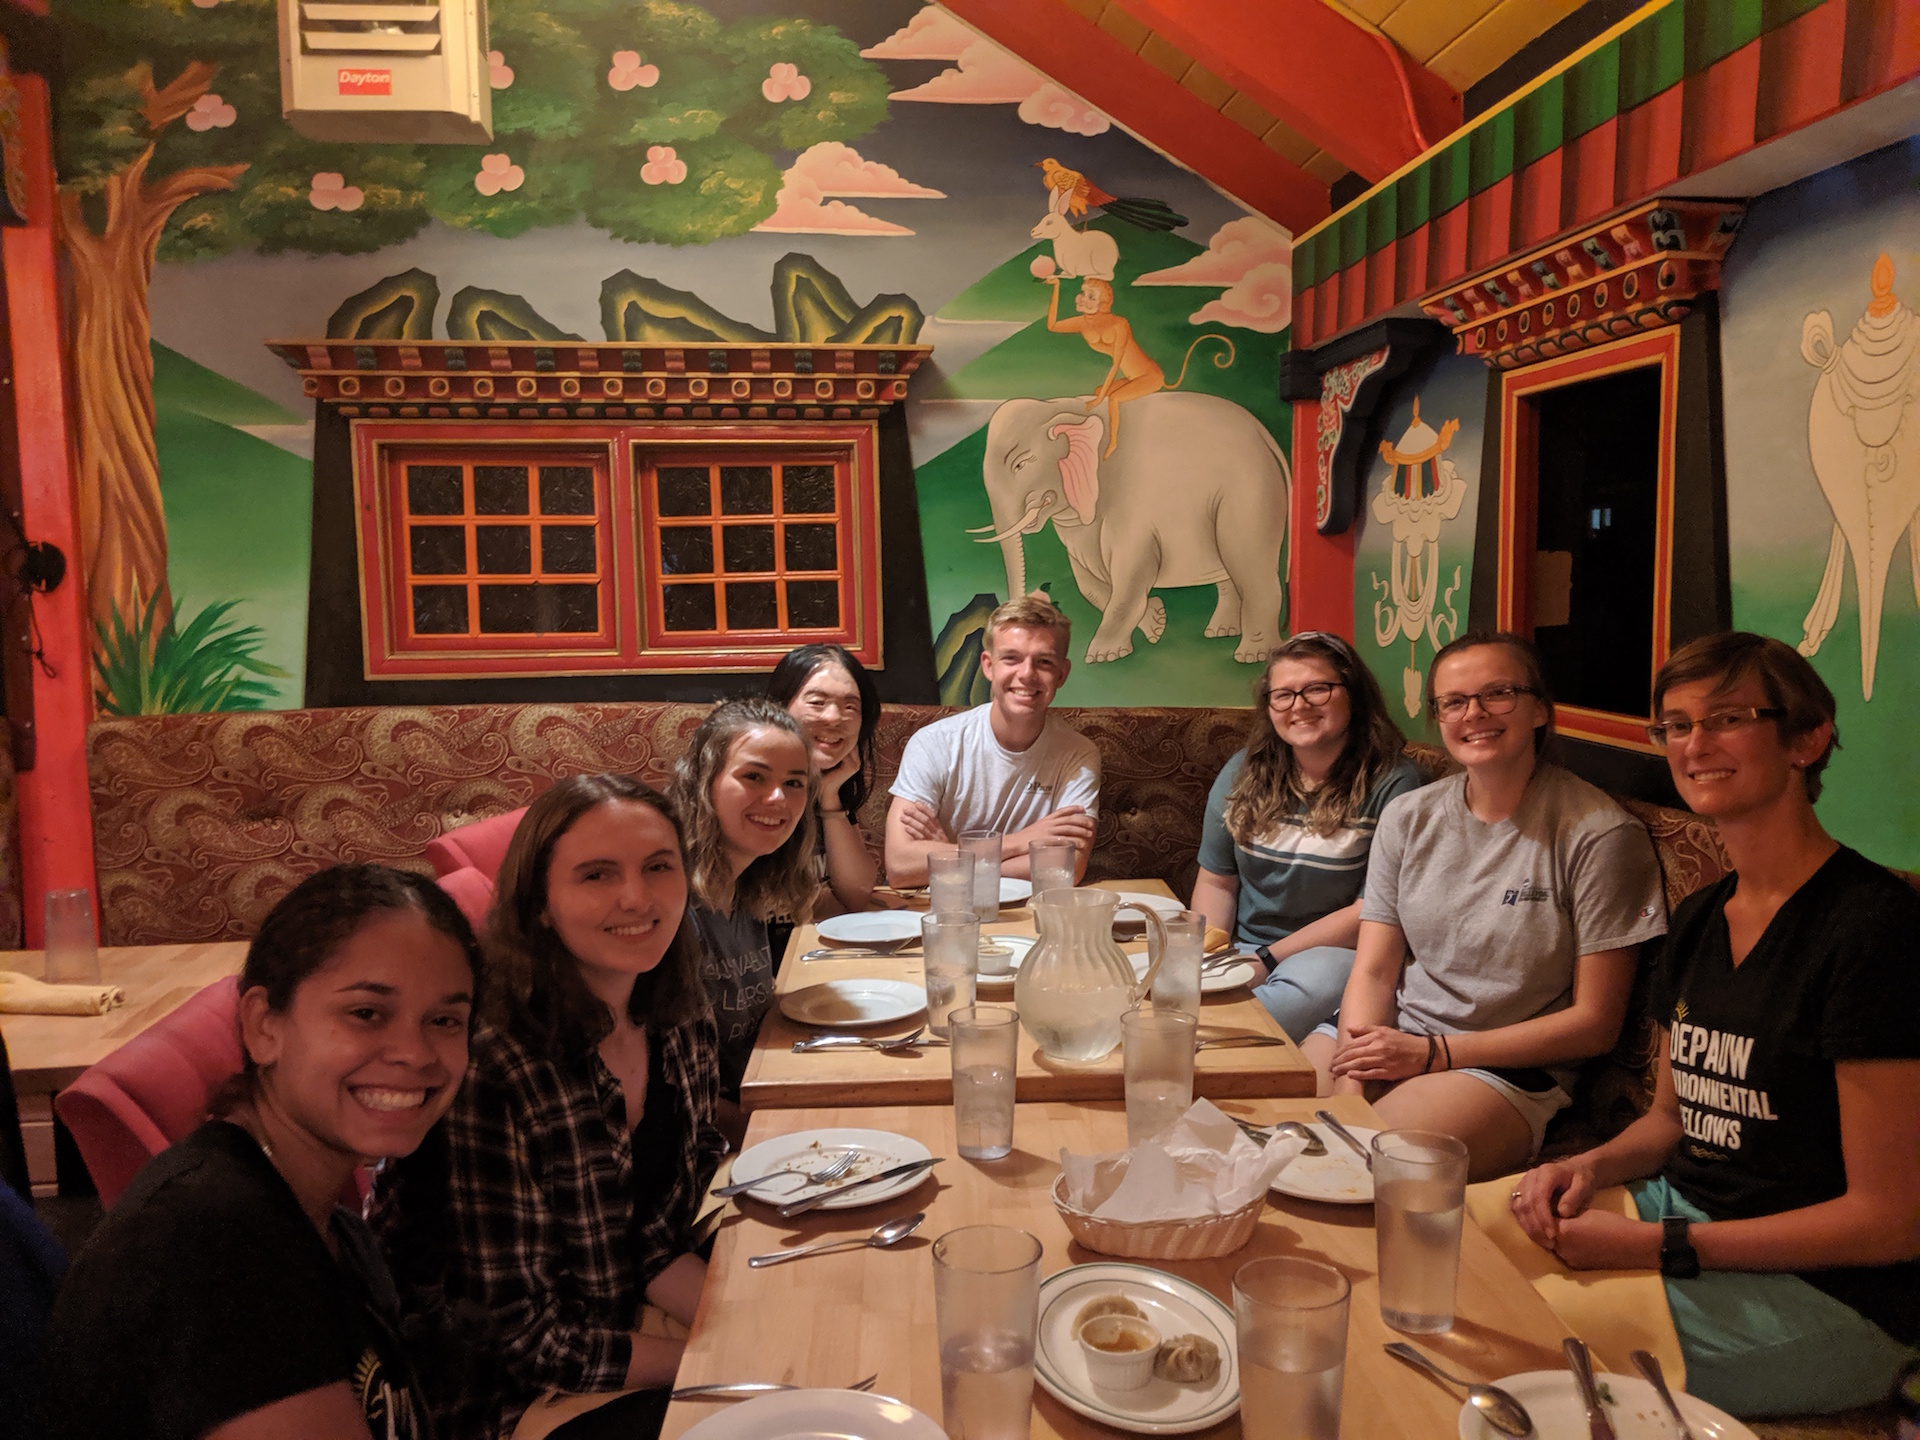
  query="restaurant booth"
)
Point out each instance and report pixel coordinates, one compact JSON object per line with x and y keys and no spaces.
{"x":387,"y":434}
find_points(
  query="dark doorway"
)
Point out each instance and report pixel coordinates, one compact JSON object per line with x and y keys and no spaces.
{"x":1599,"y":492}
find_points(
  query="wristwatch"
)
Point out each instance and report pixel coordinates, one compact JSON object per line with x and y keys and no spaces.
{"x":1265,"y":957}
{"x":1678,"y":1260}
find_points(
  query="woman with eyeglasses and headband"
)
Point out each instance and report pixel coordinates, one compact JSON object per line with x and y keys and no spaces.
{"x":1774,"y":1179}
{"x":1500,"y":932}
{"x":1283,"y":848}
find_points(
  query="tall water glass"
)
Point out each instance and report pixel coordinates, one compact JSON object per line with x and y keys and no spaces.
{"x":1177,"y":983}
{"x":1051,"y":864}
{"x":984,"y":847}
{"x":1291,"y":1319}
{"x":1157,"y":1057}
{"x":1419,"y":1197}
{"x":73,"y":958}
{"x":949,"y":880}
{"x":986,"y":1048}
{"x":986,"y":1305}
{"x":951,"y":941}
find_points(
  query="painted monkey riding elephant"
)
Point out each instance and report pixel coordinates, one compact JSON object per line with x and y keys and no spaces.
{"x":1196,"y":494}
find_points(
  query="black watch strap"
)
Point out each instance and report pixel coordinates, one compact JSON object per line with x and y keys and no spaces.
{"x":1265,"y":957}
{"x":1678,"y":1259}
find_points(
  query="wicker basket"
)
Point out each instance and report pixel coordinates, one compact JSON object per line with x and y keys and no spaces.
{"x":1200,"y":1239}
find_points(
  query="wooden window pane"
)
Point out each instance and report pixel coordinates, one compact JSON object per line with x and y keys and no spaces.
{"x":807,"y":489}
{"x":507,"y":610}
{"x":683,"y":490}
{"x":748,"y":549}
{"x":437,"y":549}
{"x":500,"y":490}
{"x":812,"y":547}
{"x":503,"y":549}
{"x":752,"y":605}
{"x":439,"y":609}
{"x":435,"y":490}
{"x":570,"y":609}
{"x":689,"y":607}
{"x":746,"y":489}
{"x":813,"y":605}
{"x":568,"y":550}
{"x":686,"y":551}
{"x":566,"y":490}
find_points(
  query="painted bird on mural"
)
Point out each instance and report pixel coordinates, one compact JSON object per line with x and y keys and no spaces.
{"x":1070,"y":193}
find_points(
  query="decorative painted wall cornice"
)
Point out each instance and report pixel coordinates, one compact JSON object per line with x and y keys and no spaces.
{"x":541,"y":379}
{"x":1669,"y":93}
{"x":1635,"y":272}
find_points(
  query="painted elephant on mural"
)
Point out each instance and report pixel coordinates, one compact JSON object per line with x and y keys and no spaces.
{"x":1195,"y":494}
{"x":1863,"y":429}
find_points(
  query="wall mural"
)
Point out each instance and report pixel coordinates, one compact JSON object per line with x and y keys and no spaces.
{"x":1413,"y":555}
{"x":1821,"y":377}
{"x":678,"y":151}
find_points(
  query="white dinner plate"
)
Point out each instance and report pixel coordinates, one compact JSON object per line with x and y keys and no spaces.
{"x":871,"y":927}
{"x":1174,"y":1307}
{"x":817,"y":1415}
{"x":805,"y":1151}
{"x":1338,"y":1177}
{"x":1021,"y":945}
{"x":853,"y":1004}
{"x":1229,"y":977}
{"x":1162,"y":905}
{"x":1014,"y":892}
{"x":1553,"y":1402}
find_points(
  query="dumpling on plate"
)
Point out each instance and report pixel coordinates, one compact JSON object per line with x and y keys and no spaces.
{"x":1106,"y":1305}
{"x":1187,"y":1359}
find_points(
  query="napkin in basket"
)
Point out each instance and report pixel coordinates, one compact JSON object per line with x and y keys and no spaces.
{"x":24,"y":995}
{"x":1202,"y":1164}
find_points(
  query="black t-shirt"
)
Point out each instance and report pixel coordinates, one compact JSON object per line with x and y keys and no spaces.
{"x":1834,"y":977}
{"x":206,"y":1293}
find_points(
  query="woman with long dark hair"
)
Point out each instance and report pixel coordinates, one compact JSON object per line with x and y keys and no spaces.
{"x":833,"y":697}
{"x":1283,"y":851}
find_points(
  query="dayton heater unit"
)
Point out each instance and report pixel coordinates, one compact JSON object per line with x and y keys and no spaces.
{"x":375,"y":70}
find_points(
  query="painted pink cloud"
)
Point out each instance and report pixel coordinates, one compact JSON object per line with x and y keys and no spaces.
{"x":497,"y":173}
{"x":932,"y":34}
{"x":331,"y":192}
{"x":1236,"y":248}
{"x":210,"y":112}
{"x":1261,"y":300}
{"x":801,"y":209}
{"x":1060,"y":109}
{"x":836,"y":169}
{"x":785,"y":82}
{"x":628,"y":73}
{"x":663,"y":167}
{"x":985,"y":75}
{"x":499,"y":73}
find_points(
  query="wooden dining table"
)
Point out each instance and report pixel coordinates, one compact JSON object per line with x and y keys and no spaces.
{"x":46,"y":1053}
{"x":829,"y":1320}
{"x":776,"y":1076}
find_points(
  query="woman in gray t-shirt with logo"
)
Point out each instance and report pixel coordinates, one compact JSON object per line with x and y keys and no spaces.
{"x":1500,"y":929}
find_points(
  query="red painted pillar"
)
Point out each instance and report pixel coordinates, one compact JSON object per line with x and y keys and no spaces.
{"x":56,"y":824}
{"x":1319,"y":567}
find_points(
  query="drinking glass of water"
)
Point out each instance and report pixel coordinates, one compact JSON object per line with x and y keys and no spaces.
{"x":949,"y":880}
{"x":984,"y":847}
{"x":986,"y":1047}
{"x":1157,"y":1056}
{"x":951,"y":940}
{"x":986,"y":1302}
{"x":1176,"y":984}
{"x":1291,"y":1321}
{"x":72,"y":956}
{"x":1419,"y":1196}
{"x":1051,"y":864}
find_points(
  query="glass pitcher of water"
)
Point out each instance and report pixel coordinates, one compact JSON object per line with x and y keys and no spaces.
{"x":1076,"y":982}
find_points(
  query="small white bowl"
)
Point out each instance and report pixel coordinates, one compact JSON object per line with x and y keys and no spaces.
{"x":995,"y":958}
{"x":1119,"y":1369}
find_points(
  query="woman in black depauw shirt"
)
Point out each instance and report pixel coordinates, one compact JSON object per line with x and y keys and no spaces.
{"x":228,"y":1294}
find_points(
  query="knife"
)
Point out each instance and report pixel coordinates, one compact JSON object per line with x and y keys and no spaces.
{"x":801,"y":1207}
{"x":1598,"y":1426}
{"x":1345,"y":1134}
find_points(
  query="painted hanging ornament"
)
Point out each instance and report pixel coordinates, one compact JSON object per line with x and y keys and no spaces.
{"x":1420,"y":491}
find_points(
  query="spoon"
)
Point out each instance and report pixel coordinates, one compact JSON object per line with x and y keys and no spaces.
{"x":1292,"y":1129}
{"x":891,"y":1233}
{"x":1501,"y":1410}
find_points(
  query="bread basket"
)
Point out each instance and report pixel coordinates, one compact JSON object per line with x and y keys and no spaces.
{"x":1203,"y":1238}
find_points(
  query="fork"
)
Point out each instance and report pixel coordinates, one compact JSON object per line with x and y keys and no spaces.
{"x":831,"y":1171}
{"x":911,"y":1041}
{"x":746,"y":1389}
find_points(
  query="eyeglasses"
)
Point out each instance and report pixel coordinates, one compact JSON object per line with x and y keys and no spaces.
{"x":1495,"y":700}
{"x":1316,"y":694}
{"x":1665,"y":732}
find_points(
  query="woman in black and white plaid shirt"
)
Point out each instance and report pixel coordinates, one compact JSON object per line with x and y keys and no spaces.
{"x":562,"y":1197}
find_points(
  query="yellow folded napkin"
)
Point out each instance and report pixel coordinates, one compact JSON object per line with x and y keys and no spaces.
{"x":24,"y":995}
{"x":1215,"y":939}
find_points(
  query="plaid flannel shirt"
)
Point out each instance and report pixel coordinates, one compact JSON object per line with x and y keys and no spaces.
{"x":541,"y":1186}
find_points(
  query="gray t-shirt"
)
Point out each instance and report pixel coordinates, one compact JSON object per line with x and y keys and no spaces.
{"x":738,"y":973}
{"x":1290,"y":876}
{"x":1496,"y":915}
{"x":963,"y":774}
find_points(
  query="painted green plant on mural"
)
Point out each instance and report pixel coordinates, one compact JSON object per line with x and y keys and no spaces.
{"x":170,"y":142}
{"x":156,"y":666}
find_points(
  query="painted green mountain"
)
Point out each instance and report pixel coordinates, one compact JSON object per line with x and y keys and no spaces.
{"x":189,"y":387}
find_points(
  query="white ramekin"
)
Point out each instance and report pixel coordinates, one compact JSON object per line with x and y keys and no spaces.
{"x":1122,"y":1370}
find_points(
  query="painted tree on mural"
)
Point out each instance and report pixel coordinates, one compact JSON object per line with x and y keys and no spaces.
{"x":649,"y":119}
